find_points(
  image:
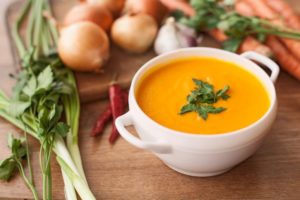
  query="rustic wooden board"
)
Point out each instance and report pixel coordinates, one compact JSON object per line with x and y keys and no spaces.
{"x":123,"y":172}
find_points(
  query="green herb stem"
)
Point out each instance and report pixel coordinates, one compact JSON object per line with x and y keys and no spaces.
{"x":284,"y":34}
{"x":45,"y":188}
{"x":30,"y":27}
{"x":28,"y":183}
{"x":51,"y":23}
{"x":28,"y":157}
{"x":45,"y":40}
{"x":37,"y":27}
{"x":16,"y":122}
{"x":15,"y":29}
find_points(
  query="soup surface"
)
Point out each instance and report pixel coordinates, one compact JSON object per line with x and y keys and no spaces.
{"x":162,"y":91}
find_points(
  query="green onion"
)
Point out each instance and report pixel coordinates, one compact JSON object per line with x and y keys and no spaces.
{"x":44,"y":90}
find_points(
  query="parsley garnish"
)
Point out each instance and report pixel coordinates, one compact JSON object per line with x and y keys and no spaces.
{"x":202,"y":98}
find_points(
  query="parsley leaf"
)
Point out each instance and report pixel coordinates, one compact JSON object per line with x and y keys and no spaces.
{"x":200,"y":99}
{"x":11,"y":164}
{"x":45,"y":78}
{"x":222,"y":93}
{"x":61,"y":129}
{"x":187,"y":108}
{"x":30,"y":87}
{"x":16,"y":108}
{"x":7,"y":168}
{"x":232,"y":44}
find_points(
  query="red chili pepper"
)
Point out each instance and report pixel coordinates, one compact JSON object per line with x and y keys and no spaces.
{"x":117,"y":108}
{"x":104,"y":118}
{"x":114,"y":135}
{"x":101,"y":122}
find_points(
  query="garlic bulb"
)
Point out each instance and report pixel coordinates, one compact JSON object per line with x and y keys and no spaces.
{"x":172,"y":36}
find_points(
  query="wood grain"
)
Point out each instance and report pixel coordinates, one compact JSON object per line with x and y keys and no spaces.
{"x":123,"y":172}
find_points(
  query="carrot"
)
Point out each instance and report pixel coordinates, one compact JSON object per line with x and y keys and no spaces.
{"x":243,"y":8}
{"x":287,"y":61}
{"x":286,"y":11}
{"x":218,"y":35}
{"x":179,"y":5}
{"x":249,"y":43}
{"x":261,"y":9}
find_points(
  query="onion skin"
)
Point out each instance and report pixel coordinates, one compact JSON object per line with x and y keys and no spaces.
{"x":134,"y":33}
{"x":151,"y":7}
{"x":114,"y":6}
{"x":83,"y":46}
{"x":89,"y":12}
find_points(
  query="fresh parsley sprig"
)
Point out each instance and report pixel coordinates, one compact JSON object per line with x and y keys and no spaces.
{"x":202,"y":98}
{"x":216,"y":14}
{"x":13,"y":163}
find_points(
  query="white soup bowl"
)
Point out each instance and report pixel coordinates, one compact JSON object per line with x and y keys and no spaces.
{"x":199,"y":154}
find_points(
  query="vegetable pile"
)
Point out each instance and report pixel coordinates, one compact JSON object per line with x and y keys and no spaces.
{"x":135,"y":25}
{"x":45,"y":101}
{"x":245,"y":25}
{"x":45,"y":91}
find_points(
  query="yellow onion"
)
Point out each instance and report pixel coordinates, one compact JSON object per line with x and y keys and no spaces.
{"x":115,"y":6}
{"x":83,"y":46}
{"x":151,"y":7}
{"x":95,"y":13}
{"x":134,"y":32}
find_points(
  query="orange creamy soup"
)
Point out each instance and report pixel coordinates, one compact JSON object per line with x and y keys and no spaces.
{"x":162,"y":91}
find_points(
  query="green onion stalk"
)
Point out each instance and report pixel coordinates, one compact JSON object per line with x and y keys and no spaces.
{"x":70,"y":172}
{"x":44,"y":90}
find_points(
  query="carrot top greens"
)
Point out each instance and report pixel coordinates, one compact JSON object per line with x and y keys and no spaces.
{"x":211,"y":14}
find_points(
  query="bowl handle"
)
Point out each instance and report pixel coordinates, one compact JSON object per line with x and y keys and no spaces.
{"x":157,"y":147}
{"x":270,"y":64}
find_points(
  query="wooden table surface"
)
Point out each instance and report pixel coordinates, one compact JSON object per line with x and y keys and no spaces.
{"x":124,"y":172}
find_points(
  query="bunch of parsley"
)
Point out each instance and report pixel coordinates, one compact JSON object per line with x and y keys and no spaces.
{"x":37,"y":103}
{"x":216,"y":14}
{"x":45,"y":92}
